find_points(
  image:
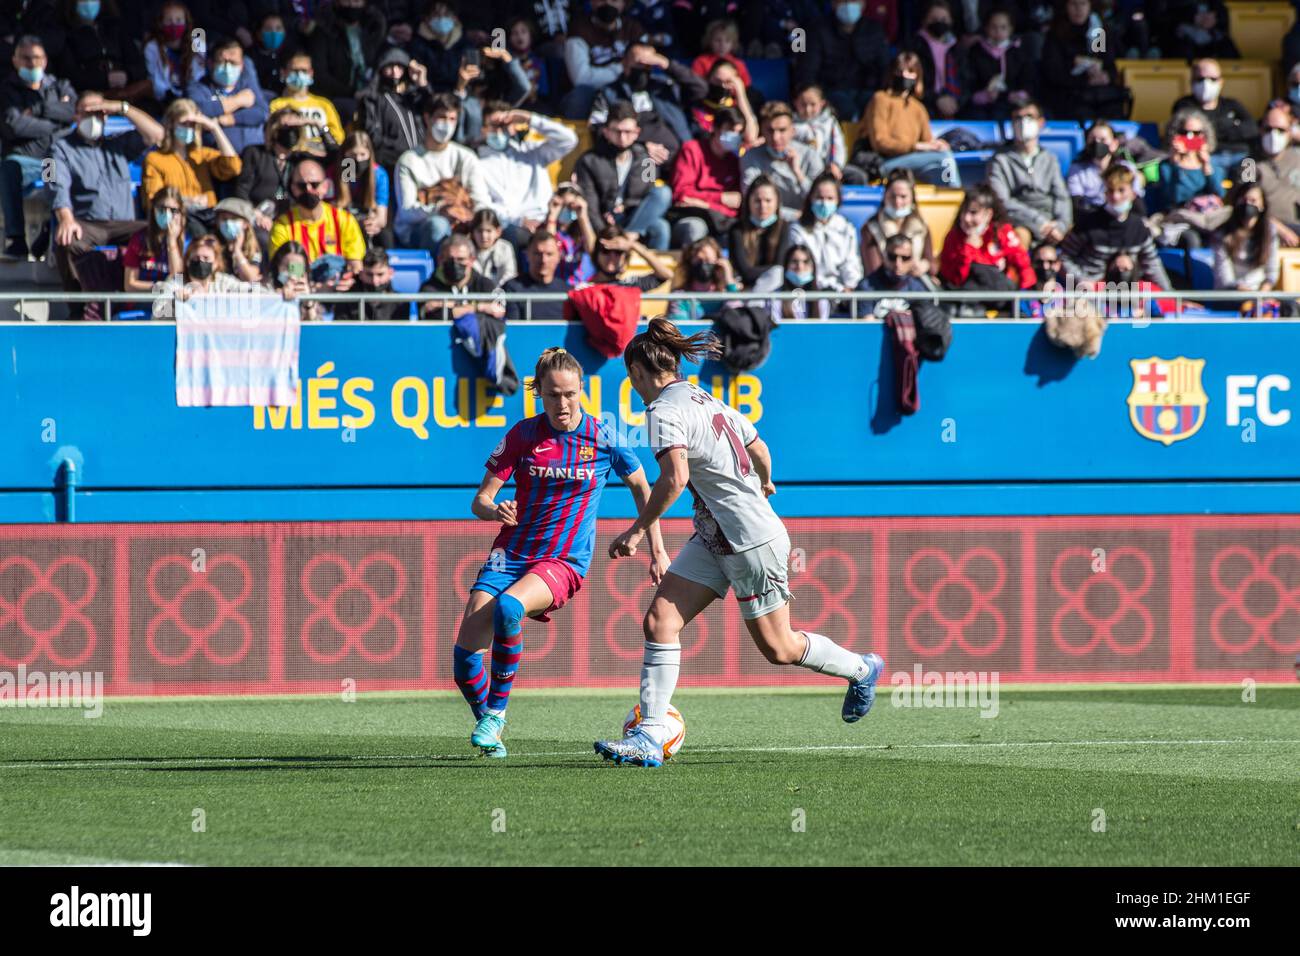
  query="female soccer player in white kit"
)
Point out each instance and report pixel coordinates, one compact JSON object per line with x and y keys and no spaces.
{"x":739,"y":542}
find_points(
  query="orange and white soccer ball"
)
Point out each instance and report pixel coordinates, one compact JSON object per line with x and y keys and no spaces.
{"x":676,"y":727}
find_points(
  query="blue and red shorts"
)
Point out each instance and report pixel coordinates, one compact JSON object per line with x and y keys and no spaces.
{"x":560,"y":576}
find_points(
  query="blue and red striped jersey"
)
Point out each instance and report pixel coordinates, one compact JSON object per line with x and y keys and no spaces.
{"x":558,"y":480}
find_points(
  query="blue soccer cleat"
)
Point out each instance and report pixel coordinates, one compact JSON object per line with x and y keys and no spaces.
{"x":637,"y":748}
{"x":862,"y":693}
{"x":487,"y":735}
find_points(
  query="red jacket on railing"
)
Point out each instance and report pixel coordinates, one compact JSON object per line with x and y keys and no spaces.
{"x":609,"y":312}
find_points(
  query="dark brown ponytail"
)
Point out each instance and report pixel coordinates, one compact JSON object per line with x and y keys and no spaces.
{"x":662,"y":346}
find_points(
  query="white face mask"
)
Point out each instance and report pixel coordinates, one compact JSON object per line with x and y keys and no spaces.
{"x":91,"y":127}
{"x":1206,"y":90}
{"x":1275,"y":142}
{"x":1027,"y":129}
{"x":895,"y":212}
{"x":442,"y":130}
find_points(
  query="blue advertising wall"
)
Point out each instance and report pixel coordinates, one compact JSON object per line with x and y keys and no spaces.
{"x":392,"y":423}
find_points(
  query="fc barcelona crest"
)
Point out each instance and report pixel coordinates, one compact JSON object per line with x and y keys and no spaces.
{"x":1167,"y":402}
{"x":586,"y":453}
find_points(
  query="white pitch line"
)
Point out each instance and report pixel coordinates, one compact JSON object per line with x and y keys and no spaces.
{"x":180,"y":763}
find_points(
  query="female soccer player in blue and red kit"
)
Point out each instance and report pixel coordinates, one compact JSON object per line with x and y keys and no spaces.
{"x":560,"y":461}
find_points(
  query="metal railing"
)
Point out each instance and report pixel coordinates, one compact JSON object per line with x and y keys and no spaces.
{"x":1107,"y":295}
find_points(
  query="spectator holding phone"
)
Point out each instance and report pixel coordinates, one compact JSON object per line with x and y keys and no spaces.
{"x":1235,"y":130}
{"x":1188,"y":181}
{"x":289,"y":277}
{"x":324,"y":129}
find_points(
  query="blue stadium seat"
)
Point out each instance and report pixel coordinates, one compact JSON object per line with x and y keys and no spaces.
{"x":1201,"y":265}
{"x":131,"y":315}
{"x":1174,"y":261}
{"x":771,"y":78}
{"x":859,"y":212}
{"x":411,"y":268}
{"x":974,"y":165}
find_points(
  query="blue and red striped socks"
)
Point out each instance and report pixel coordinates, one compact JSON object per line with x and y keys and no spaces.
{"x":467,"y":669}
{"x":507,"y":649}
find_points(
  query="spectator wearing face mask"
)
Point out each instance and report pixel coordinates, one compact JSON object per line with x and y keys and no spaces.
{"x":706,"y":181}
{"x":999,"y":70}
{"x":594,"y":51}
{"x":440,"y":44}
{"x":1046,"y":260}
{"x":239,"y":240}
{"x":455,"y":275}
{"x":388,"y":108}
{"x":660,"y":91}
{"x":514,"y":166}
{"x":897,"y":126}
{"x":347,"y":39}
{"x":788,"y":163}
{"x":1078,"y":76}
{"x":1101,"y":234}
{"x":232,"y":96}
{"x":375,"y":278}
{"x":92,"y":201}
{"x":321,"y":228}
{"x":324,"y":128}
{"x":1292,"y":97}
{"x":290,"y":278}
{"x":205,"y":274}
{"x":1198,"y":28}
{"x":799,"y":274}
{"x":182,"y":161}
{"x":847,"y":56}
{"x":99,"y":53}
{"x":982,"y":251}
{"x":272,"y":42}
{"x":35,"y":110}
{"x":1188,"y":180}
{"x":157,"y":251}
{"x":618,"y":177}
{"x":170,"y":57}
{"x":1027,"y":181}
{"x":443,"y":174}
{"x":759,"y":239}
{"x":829,"y":236}
{"x":362,"y":187}
{"x":1246,"y":246}
{"x":898,"y":216}
{"x":944,"y":69}
{"x":1276,"y":168}
{"x":703,"y":268}
{"x":1084,"y":180}
{"x":1235,"y":130}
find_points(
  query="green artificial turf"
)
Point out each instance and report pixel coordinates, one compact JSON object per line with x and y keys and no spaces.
{"x":1184,"y":776}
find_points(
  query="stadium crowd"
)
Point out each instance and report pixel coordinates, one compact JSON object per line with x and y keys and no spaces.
{"x":296,"y":144}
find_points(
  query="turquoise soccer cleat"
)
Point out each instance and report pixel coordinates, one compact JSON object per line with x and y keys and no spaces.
{"x":862,"y":693}
{"x":487,"y":735}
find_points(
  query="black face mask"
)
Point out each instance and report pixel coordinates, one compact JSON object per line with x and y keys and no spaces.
{"x":453,"y":272}
{"x":200,"y":269}
{"x":389,"y":83}
{"x":1097,"y":150}
{"x":606,"y":16}
{"x":717,"y":93}
{"x":287,"y":137}
{"x":638,"y":81}
{"x":1121,"y":275}
{"x":348,"y":14}
{"x":938,"y":29}
{"x":386,"y":287}
{"x":306,"y":198}
{"x":1047,"y":273}
{"x":702,"y":271}
{"x":904,"y":84}
{"x":1249,"y":211}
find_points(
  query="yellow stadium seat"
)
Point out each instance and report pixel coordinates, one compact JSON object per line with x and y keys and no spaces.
{"x":1289,"y":269}
{"x":938,"y":207}
{"x":1156,"y":86}
{"x":1250,"y":81}
{"x":562,"y":169}
{"x":850,"y":131}
{"x":1258,"y":28}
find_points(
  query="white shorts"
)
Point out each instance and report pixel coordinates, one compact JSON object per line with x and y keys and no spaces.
{"x":758,"y":575}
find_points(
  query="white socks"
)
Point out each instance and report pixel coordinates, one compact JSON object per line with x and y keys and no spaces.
{"x":659,"y":670}
{"x":826,"y":657}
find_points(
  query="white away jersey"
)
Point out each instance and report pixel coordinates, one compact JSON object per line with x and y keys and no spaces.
{"x":731,"y":511}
